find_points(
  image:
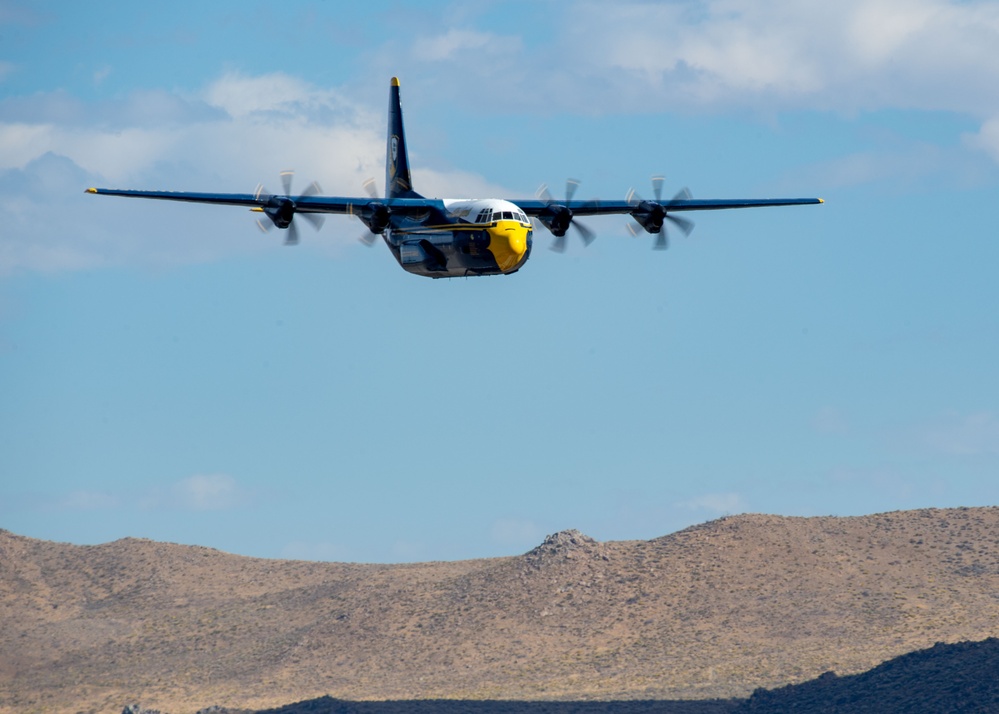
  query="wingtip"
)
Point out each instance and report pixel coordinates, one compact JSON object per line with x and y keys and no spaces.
{"x":395,"y":81}
{"x":91,"y":190}
{"x":822,"y":200}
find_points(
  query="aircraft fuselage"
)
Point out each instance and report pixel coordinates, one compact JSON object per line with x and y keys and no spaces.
{"x":460,"y":238}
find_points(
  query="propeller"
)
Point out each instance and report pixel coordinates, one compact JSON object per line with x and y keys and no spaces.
{"x":557,"y":217}
{"x":375,"y":216}
{"x":281,"y":210}
{"x":649,"y":215}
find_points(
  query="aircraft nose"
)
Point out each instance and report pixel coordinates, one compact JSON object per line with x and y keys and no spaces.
{"x":518,"y":241}
{"x":508,"y":245}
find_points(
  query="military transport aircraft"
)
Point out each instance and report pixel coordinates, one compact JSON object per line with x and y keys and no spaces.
{"x":448,"y":238}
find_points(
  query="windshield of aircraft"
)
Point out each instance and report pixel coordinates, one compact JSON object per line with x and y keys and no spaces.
{"x":488,"y":215}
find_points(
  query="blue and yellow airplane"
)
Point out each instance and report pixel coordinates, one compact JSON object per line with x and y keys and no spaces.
{"x":449,"y":238}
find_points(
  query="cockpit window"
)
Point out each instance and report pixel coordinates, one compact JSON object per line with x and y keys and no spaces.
{"x":487,"y":215}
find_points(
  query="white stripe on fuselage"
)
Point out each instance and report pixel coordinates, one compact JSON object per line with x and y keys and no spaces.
{"x":468,"y":209}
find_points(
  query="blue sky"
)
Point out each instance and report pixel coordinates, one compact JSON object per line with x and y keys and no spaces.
{"x":169,"y":372}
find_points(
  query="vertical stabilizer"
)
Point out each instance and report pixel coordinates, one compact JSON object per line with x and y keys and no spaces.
{"x":398,"y":181}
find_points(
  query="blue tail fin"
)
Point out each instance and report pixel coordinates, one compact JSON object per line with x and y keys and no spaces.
{"x":398,"y":182}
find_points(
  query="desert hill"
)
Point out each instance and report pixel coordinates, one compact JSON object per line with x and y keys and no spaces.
{"x":713,"y":611}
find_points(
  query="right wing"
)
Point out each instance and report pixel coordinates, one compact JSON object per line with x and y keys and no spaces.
{"x":281,"y":209}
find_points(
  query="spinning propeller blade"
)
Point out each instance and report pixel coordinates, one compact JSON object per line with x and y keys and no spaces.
{"x":560,"y":217}
{"x":281,"y":210}
{"x":649,"y":216}
{"x":369,"y":237}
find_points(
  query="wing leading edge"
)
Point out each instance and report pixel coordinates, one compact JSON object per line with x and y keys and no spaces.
{"x":353,"y":205}
{"x":362,"y":207}
{"x":303,"y":204}
{"x":537,"y":207}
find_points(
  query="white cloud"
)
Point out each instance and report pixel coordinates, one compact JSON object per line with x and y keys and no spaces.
{"x":238,"y":128}
{"x":88,"y":501}
{"x":967,"y":435}
{"x":987,"y":138}
{"x":445,"y":46}
{"x":100,"y":75}
{"x":201,"y":492}
{"x":718,"y":55}
{"x":852,"y":55}
{"x":904,"y":165}
{"x":20,"y":143}
{"x":210,"y":492}
{"x":241,"y":95}
{"x":454,"y":184}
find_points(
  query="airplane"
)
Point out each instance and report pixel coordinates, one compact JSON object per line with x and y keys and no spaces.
{"x":450,"y":238}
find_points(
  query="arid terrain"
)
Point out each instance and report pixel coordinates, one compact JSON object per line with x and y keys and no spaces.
{"x":714,"y":611}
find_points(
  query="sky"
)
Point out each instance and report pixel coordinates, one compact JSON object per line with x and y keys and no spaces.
{"x":167,"y":371}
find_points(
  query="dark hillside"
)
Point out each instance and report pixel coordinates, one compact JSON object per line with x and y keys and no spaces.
{"x":962,"y":677}
{"x":327,"y":705}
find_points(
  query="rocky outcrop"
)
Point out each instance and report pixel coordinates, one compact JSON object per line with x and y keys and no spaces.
{"x":565,"y":545}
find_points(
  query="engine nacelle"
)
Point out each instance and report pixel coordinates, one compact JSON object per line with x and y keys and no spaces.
{"x":650,"y":216}
{"x":280,"y":210}
{"x":376,"y":217}
{"x":556,"y":219}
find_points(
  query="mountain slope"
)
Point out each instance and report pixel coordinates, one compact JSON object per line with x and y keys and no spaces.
{"x":713,"y":611}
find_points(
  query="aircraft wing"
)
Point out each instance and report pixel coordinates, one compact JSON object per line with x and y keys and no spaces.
{"x":225,"y":199}
{"x":350,"y":205}
{"x":558,"y":216}
{"x":373,"y":212}
{"x":281,"y":210}
{"x":356,"y":205}
{"x":536,"y":207}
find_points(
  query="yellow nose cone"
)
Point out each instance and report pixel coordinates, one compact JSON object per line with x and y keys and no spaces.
{"x":518,"y":242}
{"x":508,"y":244}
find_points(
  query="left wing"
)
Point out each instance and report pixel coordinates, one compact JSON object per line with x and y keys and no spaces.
{"x":596,"y":207}
{"x":557,"y":216}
